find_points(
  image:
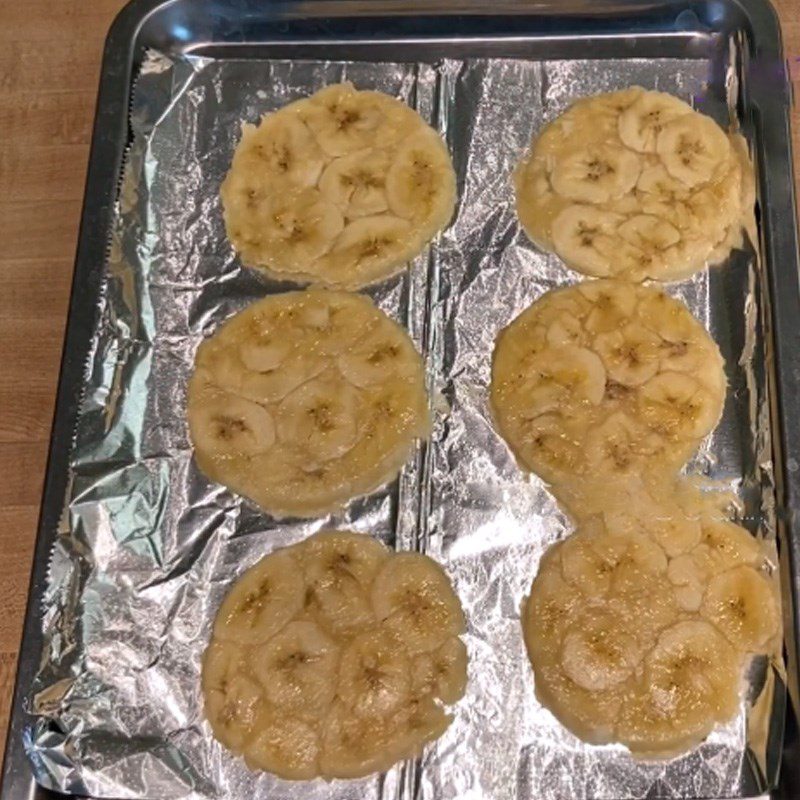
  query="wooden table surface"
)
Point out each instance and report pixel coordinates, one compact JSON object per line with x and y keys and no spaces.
{"x":49,"y":63}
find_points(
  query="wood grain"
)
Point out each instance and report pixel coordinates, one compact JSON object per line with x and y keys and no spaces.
{"x":49,"y":64}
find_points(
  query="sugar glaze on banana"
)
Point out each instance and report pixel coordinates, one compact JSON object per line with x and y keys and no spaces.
{"x":636,"y":184}
{"x":305,"y":400}
{"x":334,"y":657}
{"x":342,"y":189}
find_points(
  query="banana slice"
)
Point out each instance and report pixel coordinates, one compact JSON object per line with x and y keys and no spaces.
{"x":443,"y":672}
{"x":345,"y":120}
{"x":340,"y":189}
{"x":357,"y":183}
{"x":631,"y":355}
{"x":374,"y":675}
{"x":382,"y":355}
{"x":286,"y":746}
{"x":690,"y":682}
{"x":413,"y":597}
{"x":596,"y":173}
{"x":339,"y":569}
{"x":620,"y":445}
{"x":679,"y":406}
{"x":262,"y":601}
{"x":297,"y":668}
{"x":651,"y":246}
{"x":225,"y":425}
{"x":233,"y":711}
{"x":742,"y":604}
{"x":354,"y":746}
{"x":232,"y":699}
{"x":692,"y":148}
{"x":586,"y":238}
{"x":642,"y":122}
{"x":305,"y":400}
{"x":596,"y":564}
{"x":320,"y":416}
{"x":549,"y":608}
{"x":281,"y":149}
{"x":641,"y":187}
{"x":598,"y":653}
{"x":370,"y":248}
{"x":421,"y":183}
{"x":285,"y":232}
{"x":555,"y":377}
{"x":725,"y":544}
{"x":612,"y":304}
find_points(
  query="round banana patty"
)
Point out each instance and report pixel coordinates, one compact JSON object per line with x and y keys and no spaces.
{"x":631,"y":644}
{"x":636,"y":184}
{"x":306,"y":400}
{"x":604,"y":380}
{"x":342,"y":188}
{"x":334,"y":658}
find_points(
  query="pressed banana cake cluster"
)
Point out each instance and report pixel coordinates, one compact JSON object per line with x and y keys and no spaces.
{"x":635,"y":184}
{"x":305,"y":400}
{"x":639,"y":624}
{"x":342,"y":188}
{"x":334,"y":658}
{"x":604,"y":380}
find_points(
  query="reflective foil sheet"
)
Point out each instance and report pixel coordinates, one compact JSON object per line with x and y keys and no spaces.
{"x":148,"y":546}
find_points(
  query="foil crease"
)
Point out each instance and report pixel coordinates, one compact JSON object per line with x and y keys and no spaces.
{"x":148,"y":546}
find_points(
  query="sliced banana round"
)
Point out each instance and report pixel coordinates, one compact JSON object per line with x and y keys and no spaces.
{"x":339,"y":570}
{"x":596,"y":173}
{"x":690,"y":682}
{"x":305,"y":400}
{"x":374,"y":674}
{"x":633,"y":389}
{"x":635,"y":185}
{"x":692,"y":148}
{"x":641,"y":123}
{"x":356,"y":183}
{"x":284,"y":745}
{"x":679,"y":406}
{"x":262,"y":601}
{"x":421,"y":183}
{"x":598,"y":653}
{"x":343,"y":189}
{"x":297,"y":668}
{"x":229,"y":426}
{"x":327,"y":660}
{"x":413,"y":597}
{"x":586,"y":238}
{"x":742,"y":604}
{"x":443,"y":672}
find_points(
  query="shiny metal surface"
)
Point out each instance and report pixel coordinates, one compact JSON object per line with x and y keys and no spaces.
{"x":128,"y":594}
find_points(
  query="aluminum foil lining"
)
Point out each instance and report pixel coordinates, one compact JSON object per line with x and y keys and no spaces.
{"x":148,"y":546}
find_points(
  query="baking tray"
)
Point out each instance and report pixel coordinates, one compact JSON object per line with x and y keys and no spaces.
{"x":372,"y":30}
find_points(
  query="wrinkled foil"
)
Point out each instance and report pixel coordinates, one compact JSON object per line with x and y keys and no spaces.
{"x":148,"y":546}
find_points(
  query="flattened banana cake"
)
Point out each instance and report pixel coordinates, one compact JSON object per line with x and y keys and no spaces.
{"x":642,"y":639}
{"x":306,"y":400}
{"x":636,"y":184}
{"x":334,"y":657}
{"x":342,"y":188}
{"x":603,"y":380}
